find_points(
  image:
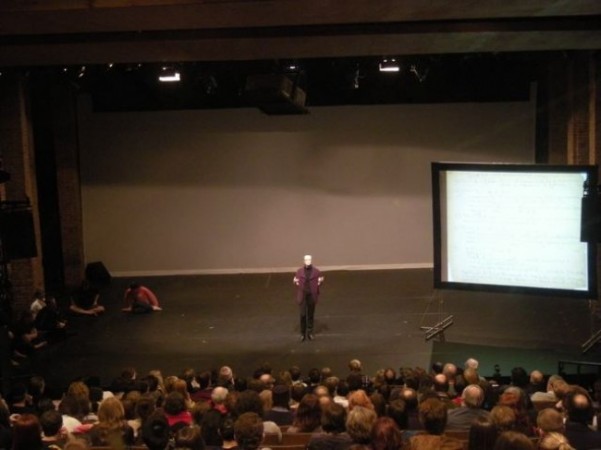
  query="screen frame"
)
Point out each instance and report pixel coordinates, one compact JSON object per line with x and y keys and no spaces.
{"x":438,"y":167}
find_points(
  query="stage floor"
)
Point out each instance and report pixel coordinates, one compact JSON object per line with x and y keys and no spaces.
{"x":375,"y":316}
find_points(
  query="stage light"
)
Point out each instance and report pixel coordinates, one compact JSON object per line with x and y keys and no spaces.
{"x":389,"y":65}
{"x":169,"y":75}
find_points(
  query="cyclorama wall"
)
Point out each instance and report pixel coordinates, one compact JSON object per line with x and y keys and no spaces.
{"x":225,"y":191}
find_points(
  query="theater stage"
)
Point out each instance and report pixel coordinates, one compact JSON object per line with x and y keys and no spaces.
{"x":375,"y":316}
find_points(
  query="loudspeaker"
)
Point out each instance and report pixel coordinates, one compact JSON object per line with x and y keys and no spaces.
{"x":97,"y":274}
{"x":17,"y":234}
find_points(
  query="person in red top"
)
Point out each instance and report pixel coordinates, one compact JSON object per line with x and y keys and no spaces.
{"x":140,"y":299}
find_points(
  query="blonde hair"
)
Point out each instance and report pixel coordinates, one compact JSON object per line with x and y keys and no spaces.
{"x":554,"y":441}
{"x":111,"y":413}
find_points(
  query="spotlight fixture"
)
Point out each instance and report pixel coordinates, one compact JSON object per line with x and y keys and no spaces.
{"x":169,"y":75}
{"x":389,"y":65}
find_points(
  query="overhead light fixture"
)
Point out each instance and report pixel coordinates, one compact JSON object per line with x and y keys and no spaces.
{"x":169,"y":75}
{"x":389,"y":65}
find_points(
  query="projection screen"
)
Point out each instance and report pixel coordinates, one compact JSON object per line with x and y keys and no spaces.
{"x":515,"y":228}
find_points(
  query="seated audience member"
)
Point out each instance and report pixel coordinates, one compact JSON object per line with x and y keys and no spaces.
{"x":308,"y":416}
{"x":189,"y":438}
{"x":536,"y":383}
{"x":140,"y":299}
{"x":26,"y":339}
{"x":112,"y":428}
{"x":397,"y":411}
{"x":461,"y":418}
{"x":386,"y":435}
{"x":280,"y":412}
{"x":85,"y":301}
{"x":554,"y":441}
{"x":549,"y":420}
{"x":248,"y":430}
{"x":52,"y":424}
{"x":513,"y":440}
{"x":175,"y":410}
{"x":27,"y":433}
{"x":409,"y":396}
{"x":226,"y":431}
{"x":333,"y":424}
{"x":126,"y":382}
{"x":483,"y":434}
{"x":379,"y":402}
{"x":70,"y":409}
{"x":342,"y":392}
{"x":580,"y":413}
{"x":226,"y":377}
{"x":554,"y":383}
{"x":156,"y":432}
{"x":441,"y":388}
{"x":515,"y":398}
{"x":503,"y":417}
{"x":359,"y":424}
{"x":212,"y":421}
{"x":359,"y":398}
{"x":249,"y":401}
{"x":19,"y":400}
{"x":203,"y":393}
{"x":295,"y":375}
{"x":433,"y":416}
{"x":266,"y":397}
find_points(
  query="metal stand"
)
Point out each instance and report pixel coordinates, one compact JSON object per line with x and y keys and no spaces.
{"x":443,"y":323}
{"x":595,"y":336}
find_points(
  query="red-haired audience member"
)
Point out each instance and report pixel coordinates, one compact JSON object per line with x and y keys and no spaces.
{"x":385,"y":435}
{"x":554,"y":441}
{"x":513,"y":440}
{"x":248,"y":430}
{"x":579,"y":409}
{"x":27,"y":433}
{"x":111,"y":429}
{"x":140,"y":299}
{"x":359,"y":424}
{"x":333,"y":424}
{"x":461,"y":418}
{"x":308,"y":416}
{"x":483,"y":434}
{"x":433,"y":416}
{"x":359,"y":398}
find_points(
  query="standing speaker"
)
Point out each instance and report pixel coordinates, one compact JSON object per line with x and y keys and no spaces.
{"x":97,"y":274}
{"x":17,"y":234}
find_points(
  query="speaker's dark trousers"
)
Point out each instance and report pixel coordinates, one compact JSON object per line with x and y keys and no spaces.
{"x":307,"y":312}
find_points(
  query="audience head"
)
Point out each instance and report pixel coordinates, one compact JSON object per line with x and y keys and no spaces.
{"x":473,"y":396}
{"x":226,"y":376}
{"x":156,"y":432}
{"x":409,"y":395}
{"x":354,"y":365}
{"x":386,"y":435}
{"x":359,"y":398}
{"x":308,"y":414}
{"x":579,"y":408}
{"x":189,"y":437}
{"x":503,"y":417}
{"x":359,"y":424}
{"x":248,"y":430}
{"x":554,"y":441}
{"x":433,"y":415}
{"x":550,"y":420}
{"x":536,"y":377}
{"x":51,"y":423}
{"x":471,"y":363}
{"x":333,"y":418}
{"x":27,"y":433}
{"x":483,"y":434}
{"x":519,"y":377}
{"x":111,"y":413}
{"x":174,"y":404}
{"x":441,"y":384}
{"x":226,"y":429}
{"x":397,"y":411}
{"x":512,"y":440}
{"x":281,"y":396}
{"x":249,"y":401}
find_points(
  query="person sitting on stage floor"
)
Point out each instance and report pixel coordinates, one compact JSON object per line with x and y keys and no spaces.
{"x":50,"y":322}
{"x":140,"y":299}
{"x":38,"y":303}
{"x":85,"y":301}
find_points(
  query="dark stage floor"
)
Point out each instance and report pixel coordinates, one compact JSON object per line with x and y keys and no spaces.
{"x":245,"y":320}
